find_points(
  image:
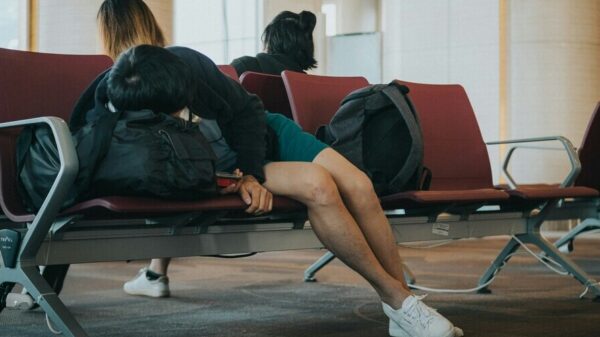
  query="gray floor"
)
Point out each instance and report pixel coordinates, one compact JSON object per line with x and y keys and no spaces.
{"x":264,"y":296}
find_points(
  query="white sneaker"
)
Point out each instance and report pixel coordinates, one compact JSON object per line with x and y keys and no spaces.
{"x":20,"y":301}
{"x":141,"y":285}
{"x":416,"y":319}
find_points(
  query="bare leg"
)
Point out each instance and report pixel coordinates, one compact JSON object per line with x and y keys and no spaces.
{"x":357,"y":191}
{"x":312,"y":185}
{"x":160,"y":266}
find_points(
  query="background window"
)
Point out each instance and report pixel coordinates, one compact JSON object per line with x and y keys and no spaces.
{"x":221,"y":29}
{"x":9,"y":24}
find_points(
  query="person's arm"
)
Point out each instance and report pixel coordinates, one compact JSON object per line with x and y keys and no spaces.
{"x":245,"y":63}
{"x":243,"y":113}
{"x":85,"y":103}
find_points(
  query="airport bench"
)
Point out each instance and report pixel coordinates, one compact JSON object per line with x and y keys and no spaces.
{"x":457,"y":156}
{"x":42,"y":88}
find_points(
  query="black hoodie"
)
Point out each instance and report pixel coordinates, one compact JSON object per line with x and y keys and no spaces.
{"x":240,"y":115}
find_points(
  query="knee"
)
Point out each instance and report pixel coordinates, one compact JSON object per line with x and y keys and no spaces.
{"x":360,"y":189}
{"x":320,"y":188}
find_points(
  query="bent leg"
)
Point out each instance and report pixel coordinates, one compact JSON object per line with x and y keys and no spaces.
{"x":332,"y":223}
{"x":359,"y":196}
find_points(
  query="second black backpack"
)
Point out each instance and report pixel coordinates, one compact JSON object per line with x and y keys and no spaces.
{"x":377,"y":129}
{"x":156,"y":155}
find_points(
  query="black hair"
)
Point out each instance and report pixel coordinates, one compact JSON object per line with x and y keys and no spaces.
{"x":150,"y":77}
{"x":291,"y":34}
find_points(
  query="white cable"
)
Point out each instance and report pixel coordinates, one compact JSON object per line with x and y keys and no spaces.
{"x":482,"y":286}
{"x":460,"y":291}
{"x":452,"y":291}
{"x":56,"y":332}
{"x":587,"y":288}
{"x":564,"y":273}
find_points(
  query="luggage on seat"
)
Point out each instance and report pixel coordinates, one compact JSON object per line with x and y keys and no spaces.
{"x":155,"y":154}
{"x":38,"y":161}
{"x":134,"y":153}
{"x":377,"y":129}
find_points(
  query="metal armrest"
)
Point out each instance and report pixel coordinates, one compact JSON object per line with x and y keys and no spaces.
{"x":568,"y":147}
{"x":69,"y":166}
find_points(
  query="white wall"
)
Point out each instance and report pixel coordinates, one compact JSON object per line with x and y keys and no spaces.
{"x":356,"y":16}
{"x":447,"y":41}
{"x":355,"y":55}
{"x":554,"y":77}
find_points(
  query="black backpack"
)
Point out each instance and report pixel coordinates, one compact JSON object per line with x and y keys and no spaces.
{"x":38,"y":161}
{"x":136,"y":153}
{"x":377,"y":129}
{"x":158,"y":155}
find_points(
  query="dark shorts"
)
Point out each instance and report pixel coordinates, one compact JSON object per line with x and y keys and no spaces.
{"x":293,"y":143}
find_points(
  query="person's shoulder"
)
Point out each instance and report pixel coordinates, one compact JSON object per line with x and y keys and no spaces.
{"x":263,"y":55}
{"x":243,"y":59}
{"x":246,"y":63}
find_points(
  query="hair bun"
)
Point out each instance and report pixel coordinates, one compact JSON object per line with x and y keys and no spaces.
{"x":307,"y":21}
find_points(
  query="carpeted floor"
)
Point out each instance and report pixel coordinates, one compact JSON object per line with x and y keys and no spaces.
{"x":264,"y":296}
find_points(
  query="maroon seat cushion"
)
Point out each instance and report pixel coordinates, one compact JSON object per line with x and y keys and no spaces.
{"x":229,"y":71}
{"x":130,"y":206}
{"x":449,"y":197}
{"x":35,"y":85}
{"x":315,"y":99}
{"x":153,"y":205}
{"x":270,"y":89}
{"x":587,"y":183}
{"x":454,"y":148}
{"x":589,"y":153}
{"x":537,"y":191}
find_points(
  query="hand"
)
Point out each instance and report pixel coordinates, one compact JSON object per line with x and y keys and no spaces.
{"x":259,"y":199}
{"x":233,"y":188}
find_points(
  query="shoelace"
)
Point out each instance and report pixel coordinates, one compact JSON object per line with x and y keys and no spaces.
{"x":419,"y":312}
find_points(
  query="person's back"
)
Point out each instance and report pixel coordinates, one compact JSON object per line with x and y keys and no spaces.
{"x":288,"y":44}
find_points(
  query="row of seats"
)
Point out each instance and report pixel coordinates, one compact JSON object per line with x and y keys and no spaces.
{"x":454,"y":148}
{"x":36,"y":86}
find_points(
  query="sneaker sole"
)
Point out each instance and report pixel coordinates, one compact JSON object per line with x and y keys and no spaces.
{"x":148,"y":294}
{"x":398,"y":332}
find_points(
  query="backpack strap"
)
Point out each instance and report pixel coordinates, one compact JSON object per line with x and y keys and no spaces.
{"x":397,"y":94}
{"x":93,"y":145}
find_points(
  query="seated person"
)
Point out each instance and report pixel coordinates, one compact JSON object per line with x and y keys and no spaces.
{"x":141,"y":78}
{"x":342,"y":206}
{"x":288,"y":44}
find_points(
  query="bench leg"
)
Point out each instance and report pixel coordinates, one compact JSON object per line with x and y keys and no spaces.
{"x":498,"y":263}
{"x":549,"y":250}
{"x":586,"y":225}
{"x":309,"y":273}
{"x":571,"y":267}
{"x":44,"y":295}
